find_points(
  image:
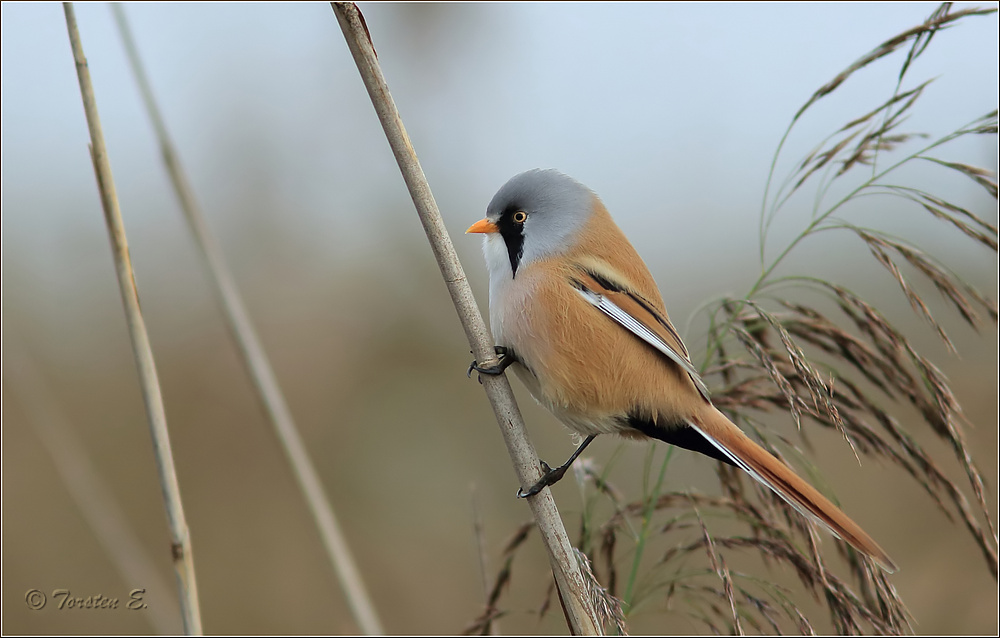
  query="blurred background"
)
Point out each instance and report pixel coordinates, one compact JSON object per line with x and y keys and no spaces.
{"x":670,"y":112}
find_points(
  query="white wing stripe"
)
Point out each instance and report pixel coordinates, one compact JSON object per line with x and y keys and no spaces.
{"x":634,"y":326}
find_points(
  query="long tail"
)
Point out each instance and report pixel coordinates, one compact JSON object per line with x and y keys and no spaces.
{"x":761,"y":465}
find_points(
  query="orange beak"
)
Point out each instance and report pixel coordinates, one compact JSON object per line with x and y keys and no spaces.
{"x":483,"y":226}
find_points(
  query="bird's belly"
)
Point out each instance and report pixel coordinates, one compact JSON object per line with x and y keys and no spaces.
{"x":585,"y":423}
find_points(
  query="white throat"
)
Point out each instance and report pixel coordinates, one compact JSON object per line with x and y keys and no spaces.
{"x":501,"y":278}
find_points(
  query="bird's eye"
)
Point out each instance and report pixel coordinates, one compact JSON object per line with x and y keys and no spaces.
{"x":520,"y":216}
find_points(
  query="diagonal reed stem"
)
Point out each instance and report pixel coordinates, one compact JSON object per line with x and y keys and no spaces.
{"x":179,"y":537}
{"x":255,"y":359}
{"x":570,"y":583}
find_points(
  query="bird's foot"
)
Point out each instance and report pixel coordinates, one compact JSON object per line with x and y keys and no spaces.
{"x":504,"y":359}
{"x":549,"y":477}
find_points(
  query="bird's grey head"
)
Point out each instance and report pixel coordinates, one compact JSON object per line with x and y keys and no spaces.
{"x":538,"y":214}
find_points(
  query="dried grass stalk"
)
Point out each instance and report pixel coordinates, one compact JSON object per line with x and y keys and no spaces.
{"x":255,"y":359}
{"x":920,"y":36}
{"x":179,"y":538}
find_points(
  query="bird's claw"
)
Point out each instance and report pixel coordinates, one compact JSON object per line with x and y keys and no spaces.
{"x":504,"y":359}
{"x":549,"y":477}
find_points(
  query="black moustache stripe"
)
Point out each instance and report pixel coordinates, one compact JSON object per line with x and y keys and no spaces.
{"x":513,"y":236}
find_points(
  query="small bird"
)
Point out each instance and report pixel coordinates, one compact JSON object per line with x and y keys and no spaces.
{"x":576,"y":314}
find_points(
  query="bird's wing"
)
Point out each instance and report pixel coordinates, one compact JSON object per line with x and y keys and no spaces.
{"x":634,"y":313}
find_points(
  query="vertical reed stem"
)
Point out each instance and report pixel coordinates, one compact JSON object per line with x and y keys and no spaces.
{"x":179,"y":537}
{"x":255,"y":359}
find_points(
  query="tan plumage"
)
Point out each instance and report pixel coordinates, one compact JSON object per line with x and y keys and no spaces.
{"x":571,"y":299}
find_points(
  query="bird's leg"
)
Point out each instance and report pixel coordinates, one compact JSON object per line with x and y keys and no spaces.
{"x":551,"y":476}
{"x":505,"y":358}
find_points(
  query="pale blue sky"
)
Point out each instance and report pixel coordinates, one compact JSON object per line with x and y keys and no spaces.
{"x":670,"y":112}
